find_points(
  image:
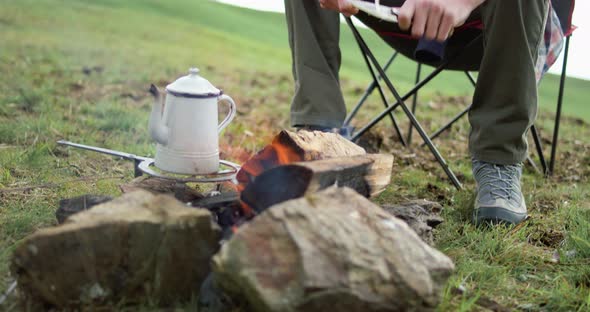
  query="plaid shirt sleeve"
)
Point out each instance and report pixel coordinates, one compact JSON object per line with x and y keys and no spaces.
{"x":551,"y":46}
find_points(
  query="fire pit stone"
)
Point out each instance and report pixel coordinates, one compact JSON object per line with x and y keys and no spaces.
{"x":134,"y":246}
{"x":330,"y":251}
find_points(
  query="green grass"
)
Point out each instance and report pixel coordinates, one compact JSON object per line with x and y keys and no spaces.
{"x":45,"y":95}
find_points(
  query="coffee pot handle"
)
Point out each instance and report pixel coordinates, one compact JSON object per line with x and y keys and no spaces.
{"x":231,"y":114}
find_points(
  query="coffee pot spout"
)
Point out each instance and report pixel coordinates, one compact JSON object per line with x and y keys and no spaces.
{"x":157,"y":126}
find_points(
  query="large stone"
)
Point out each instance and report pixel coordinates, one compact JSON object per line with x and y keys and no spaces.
{"x":421,"y":215}
{"x":330,"y":251}
{"x":71,"y":206}
{"x":137,"y":246}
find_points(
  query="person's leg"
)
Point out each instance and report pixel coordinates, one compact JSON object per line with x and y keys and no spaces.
{"x":314,"y":39}
{"x":505,"y":99}
{"x":505,"y":106}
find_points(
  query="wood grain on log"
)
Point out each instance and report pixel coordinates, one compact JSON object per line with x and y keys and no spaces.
{"x":316,"y":145}
{"x":379,"y":174}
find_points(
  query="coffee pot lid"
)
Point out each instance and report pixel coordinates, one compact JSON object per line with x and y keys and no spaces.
{"x":193,"y":85}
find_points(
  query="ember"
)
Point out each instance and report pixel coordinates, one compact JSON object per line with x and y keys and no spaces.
{"x":269,"y":157}
{"x":273,"y":155}
{"x":296,"y":164}
{"x":261,"y":184}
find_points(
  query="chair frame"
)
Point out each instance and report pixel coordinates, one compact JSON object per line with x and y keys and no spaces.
{"x":373,"y":65}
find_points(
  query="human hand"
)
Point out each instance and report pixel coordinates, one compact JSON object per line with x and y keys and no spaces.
{"x":342,"y":6}
{"x":435,"y":19}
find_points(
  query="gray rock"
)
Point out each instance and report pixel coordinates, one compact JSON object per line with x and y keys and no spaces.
{"x":330,"y":251}
{"x":137,"y":246}
{"x":70,"y":206}
{"x":421,"y":215}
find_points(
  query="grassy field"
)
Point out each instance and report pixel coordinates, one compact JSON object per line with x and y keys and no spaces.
{"x":79,"y":70}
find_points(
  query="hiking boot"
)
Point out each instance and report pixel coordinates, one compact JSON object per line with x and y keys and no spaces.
{"x":499,"y":197}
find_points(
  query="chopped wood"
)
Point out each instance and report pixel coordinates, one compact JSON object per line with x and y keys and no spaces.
{"x":379,"y":175}
{"x":288,"y":147}
{"x":299,"y":179}
{"x":316,"y":145}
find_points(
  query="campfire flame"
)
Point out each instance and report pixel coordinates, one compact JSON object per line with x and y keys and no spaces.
{"x":272,"y":155}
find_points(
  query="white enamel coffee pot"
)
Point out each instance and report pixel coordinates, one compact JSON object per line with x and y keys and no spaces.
{"x":185,"y":125}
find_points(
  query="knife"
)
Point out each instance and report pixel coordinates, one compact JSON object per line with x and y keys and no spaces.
{"x":377,"y":10}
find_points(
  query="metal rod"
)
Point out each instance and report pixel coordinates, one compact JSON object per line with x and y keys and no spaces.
{"x":381,"y":93}
{"x":136,"y":171}
{"x":103,"y":150}
{"x":377,"y":119}
{"x":539,"y":148}
{"x":370,"y":88}
{"x":7,"y":293}
{"x":449,"y":124}
{"x":470,"y":77}
{"x":532,"y":163}
{"x":414,"y":102}
{"x":458,"y":116}
{"x":559,"y":103}
{"x":408,"y":113}
{"x":417,"y":87}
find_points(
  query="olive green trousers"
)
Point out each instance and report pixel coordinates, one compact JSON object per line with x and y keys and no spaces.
{"x":505,"y":99}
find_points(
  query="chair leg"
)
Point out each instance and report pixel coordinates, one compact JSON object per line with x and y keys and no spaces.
{"x":449,"y":124}
{"x":458,"y":116}
{"x":414,"y":102}
{"x":417,"y":87}
{"x":368,"y":91}
{"x":539,"y":147}
{"x":559,"y":103}
{"x":471,"y":79}
{"x":364,"y":51}
{"x":407,"y":111}
{"x":532,"y":163}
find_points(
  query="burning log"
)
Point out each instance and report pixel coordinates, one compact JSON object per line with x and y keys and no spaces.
{"x":304,"y":178}
{"x":289,"y":147}
{"x":379,"y":175}
{"x":136,"y":246}
{"x":330,"y":251}
{"x":366,"y":174}
{"x":299,"y":163}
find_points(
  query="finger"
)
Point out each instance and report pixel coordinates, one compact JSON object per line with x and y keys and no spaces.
{"x":329,"y":4}
{"x":347,"y":8}
{"x":405,"y":15}
{"x":419,"y":21}
{"x":433,"y":23}
{"x":445,"y":29}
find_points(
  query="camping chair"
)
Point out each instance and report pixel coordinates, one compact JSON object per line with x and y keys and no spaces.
{"x":466,"y":59}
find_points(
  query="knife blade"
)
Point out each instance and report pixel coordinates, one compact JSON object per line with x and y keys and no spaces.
{"x":377,"y":10}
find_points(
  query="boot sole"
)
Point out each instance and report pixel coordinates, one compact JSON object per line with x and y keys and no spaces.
{"x":496,"y":215}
